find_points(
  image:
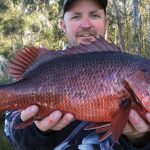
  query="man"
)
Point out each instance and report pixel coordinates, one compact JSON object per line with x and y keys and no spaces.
{"x":82,"y":21}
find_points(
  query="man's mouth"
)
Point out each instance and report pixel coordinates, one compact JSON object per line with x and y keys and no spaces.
{"x":86,"y":35}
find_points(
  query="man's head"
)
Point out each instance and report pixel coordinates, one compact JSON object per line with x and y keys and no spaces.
{"x":83,"y":20}
{"x":67,"y":5}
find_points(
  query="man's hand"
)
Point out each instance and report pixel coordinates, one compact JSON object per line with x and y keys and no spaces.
{"x":137,"y":128}
{"x":55,"y":121}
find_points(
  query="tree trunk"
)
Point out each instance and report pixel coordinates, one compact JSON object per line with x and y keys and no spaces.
{"x":136,"y":26}
{"x":148,"y":38}
{"x":118,"y":17}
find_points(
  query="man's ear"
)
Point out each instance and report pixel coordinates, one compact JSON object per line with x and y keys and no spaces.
{"x":62,"y":25}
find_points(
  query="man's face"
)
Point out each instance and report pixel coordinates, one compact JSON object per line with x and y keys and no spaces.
{"x":84,"y":21}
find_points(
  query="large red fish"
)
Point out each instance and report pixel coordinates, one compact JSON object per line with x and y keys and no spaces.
{"x":96,"y":83}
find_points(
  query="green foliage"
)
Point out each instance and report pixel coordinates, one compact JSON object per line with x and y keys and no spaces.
{"x":12,"y":26}
{"x":57,"y":32}
{"x":29,"y":22}
{"x":125,"y":9}
{"x":35,"y":22}
{"x":3,"y":7}
{"x":5,"y":50}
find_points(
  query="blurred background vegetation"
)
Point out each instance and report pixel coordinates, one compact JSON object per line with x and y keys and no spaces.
{"x":36,"y":22}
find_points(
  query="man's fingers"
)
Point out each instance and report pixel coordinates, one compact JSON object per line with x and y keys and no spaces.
{"x":148,"y":117}
{"x":48,"y":122}
{"x":29,"y":112}
{"x":137,"y":122}
{"x":66,"y":119}
{"x":128,"y":129}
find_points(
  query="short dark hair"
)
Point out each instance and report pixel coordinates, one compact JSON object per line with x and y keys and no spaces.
{"x":67,"y":4}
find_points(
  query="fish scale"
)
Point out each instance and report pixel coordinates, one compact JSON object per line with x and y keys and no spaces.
{"x":89,"y":84}
{"x":79,"y":64}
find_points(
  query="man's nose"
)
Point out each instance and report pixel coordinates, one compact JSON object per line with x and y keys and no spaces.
{"x":86,"y":23}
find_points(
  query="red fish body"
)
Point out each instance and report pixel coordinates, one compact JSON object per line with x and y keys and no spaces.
{"x":92,"y":85}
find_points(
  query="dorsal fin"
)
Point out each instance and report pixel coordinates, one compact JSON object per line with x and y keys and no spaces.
{"x":29,"y":58}
{"x":99,"y":45}
{"x":23,"y":60}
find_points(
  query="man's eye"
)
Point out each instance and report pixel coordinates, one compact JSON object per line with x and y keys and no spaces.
{"x":75,"y":17}
{"x":96,"y":16}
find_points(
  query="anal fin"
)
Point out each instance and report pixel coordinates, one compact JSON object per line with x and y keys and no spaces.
{"x":102,"y":128}
{"x":23,"y":124}
{"x":97,"y":126}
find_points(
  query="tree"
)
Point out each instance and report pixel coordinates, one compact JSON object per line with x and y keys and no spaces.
{"x":119,"y":24}
{"x":136,"y":25}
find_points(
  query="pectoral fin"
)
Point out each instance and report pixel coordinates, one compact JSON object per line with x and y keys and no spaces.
{"x":120,"y":119}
